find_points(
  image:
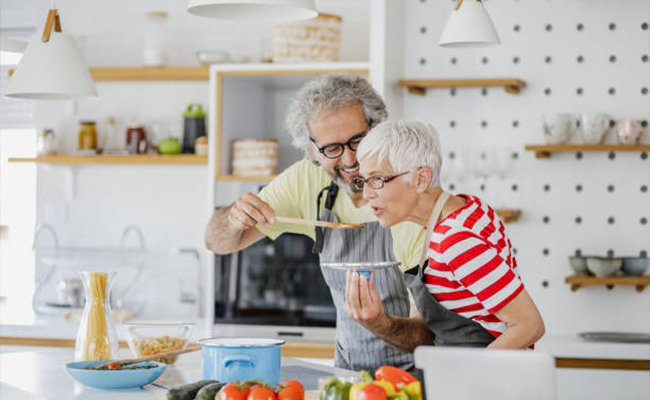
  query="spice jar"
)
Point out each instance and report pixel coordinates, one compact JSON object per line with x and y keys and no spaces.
{"x":136,"y":139}
{"x":46,"y":143}
{"x":87,"y":136}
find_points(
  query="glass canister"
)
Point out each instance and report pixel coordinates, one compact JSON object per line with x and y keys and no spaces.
{"x":46,"y":143}
{"x":87,"y":136}
{"x":136,"y":139}
{"x":155,"y":52}
{"x":96,"y":337}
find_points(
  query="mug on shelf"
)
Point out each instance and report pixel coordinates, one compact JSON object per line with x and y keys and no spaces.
{"x":557,"y":129}
{"x":593,"y":127}
{"x":628,"y":131}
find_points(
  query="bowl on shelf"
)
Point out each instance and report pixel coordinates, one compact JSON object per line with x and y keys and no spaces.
{"x":207,"y":57}
{"x":579,"y":265}
{"x":634,"y":266}
{"x":148,"y":338}
{"x":604,"y":266}
{"x":134,"y":376}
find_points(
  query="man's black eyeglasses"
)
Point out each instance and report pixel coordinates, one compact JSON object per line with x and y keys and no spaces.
{"x":335,"y":150}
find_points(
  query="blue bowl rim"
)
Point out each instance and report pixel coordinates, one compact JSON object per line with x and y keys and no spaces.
{"x":72,"y":366}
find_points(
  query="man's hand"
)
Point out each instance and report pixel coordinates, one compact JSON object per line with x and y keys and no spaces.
{"x":248,"y":211}
{"x":363,"y":304}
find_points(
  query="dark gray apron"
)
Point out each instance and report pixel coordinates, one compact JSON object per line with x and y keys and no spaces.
{"x":449,"y":328}
{"x":356,"y":347}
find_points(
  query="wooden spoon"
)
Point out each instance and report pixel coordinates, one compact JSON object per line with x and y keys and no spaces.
{"x":117,"y":364}
{"x":325,"y":224}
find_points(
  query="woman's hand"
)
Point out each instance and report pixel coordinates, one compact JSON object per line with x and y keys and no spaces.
{"x":363,"y":304}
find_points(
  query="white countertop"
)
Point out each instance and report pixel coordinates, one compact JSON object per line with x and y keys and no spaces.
{"x":558,"y":346}
{"x":41,"y":375}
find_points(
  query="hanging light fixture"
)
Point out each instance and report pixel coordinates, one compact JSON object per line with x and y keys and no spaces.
{"x":51,"y":68}
{"x":469,"y":26}
{"x":254,"y":10}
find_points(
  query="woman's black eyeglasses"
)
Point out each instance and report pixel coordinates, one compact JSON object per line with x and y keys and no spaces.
{"x":335,"y":150}
{"x":375,"y":182}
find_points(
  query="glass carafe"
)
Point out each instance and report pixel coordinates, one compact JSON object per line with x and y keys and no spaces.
{"x":97,"y":337}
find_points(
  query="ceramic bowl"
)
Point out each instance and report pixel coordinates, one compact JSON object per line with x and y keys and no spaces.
{"x":579,"y":265}
{"x":207,"y":57}
{"x":557,"y":129}
{"x":604,"y":266}
{"x":634,"y":266}
{"x":108,"y":379}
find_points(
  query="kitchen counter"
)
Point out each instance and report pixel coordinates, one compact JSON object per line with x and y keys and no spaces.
{"x":41,"y":375}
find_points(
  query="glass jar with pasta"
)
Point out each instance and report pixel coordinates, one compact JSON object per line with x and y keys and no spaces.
{"x":96,"y":337}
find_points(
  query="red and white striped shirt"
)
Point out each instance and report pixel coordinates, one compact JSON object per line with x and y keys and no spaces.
{"x":472,"y":270}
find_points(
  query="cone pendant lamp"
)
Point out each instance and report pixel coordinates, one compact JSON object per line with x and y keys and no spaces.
{"x":254,"y":10}
{"x":469,"y":26}
{"x":51,"y":68}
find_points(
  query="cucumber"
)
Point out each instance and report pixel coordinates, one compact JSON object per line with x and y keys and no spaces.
{"x":187,"y":392}
{"x":209,"y":392}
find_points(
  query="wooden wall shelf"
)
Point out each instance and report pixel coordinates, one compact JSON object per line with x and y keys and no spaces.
{"x":149,"y":74}
{"x":577,"y":281}
{"x":420,"y":86}
{"x":545,"y":151}
{"x":508,"y":215}
{"x":144,"y":159}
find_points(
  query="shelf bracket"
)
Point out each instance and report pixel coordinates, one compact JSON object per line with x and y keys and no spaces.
{"x":542,"y":155}
{"x":575,"y":286}
{"x":417,"y":90}
{"x":639,"y":288}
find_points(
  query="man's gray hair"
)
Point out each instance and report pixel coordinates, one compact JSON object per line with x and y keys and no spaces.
{"x":406,"y":145}
{"x":331,"y":92}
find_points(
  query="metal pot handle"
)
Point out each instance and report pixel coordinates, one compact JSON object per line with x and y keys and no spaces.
{"x":238,"y":358}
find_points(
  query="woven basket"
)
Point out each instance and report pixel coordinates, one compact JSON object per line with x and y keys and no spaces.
{"x":316,"y":39}
{"x":254,"y":157}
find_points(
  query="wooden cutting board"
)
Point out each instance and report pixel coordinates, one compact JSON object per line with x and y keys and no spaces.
{"x":312,"y":395}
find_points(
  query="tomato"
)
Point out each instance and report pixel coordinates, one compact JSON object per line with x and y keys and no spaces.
{"x":394,"y":375}
{"x":372,"y":392}
{"x":292,"y":383}
{"x":259,"y":392}
{"x":234,"y":391}
{"x":291,"y":393}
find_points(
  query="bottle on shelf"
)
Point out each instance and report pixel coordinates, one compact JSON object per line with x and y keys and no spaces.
{"x":87,"y":137}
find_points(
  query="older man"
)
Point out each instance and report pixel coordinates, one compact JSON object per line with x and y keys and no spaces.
{"x":327,"y":119}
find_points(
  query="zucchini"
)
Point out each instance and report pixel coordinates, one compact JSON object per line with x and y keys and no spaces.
{"x":187,"y":392}
{"x":209,"y":392}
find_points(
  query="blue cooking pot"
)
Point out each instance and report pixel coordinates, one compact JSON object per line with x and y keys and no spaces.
{"x":241,"y":359}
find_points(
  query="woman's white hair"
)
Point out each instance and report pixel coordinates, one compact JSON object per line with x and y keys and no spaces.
{"x":331,"y":92}
{"x":406,"y":145}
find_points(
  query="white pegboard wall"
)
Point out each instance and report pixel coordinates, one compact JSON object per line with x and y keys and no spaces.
{"x":576,"y":56}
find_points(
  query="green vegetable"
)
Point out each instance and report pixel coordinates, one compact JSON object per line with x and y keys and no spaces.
{"x":209,"y":392}
{"x":187,"y":392}
{"x":336,"y":390}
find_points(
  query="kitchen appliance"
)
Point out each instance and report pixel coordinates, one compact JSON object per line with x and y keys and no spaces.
{"x":468,"y":374}
{"x":69,"y":292}
{"x":241,"y":359}
{"x":194,"y":126}
{"x":276,"y":286}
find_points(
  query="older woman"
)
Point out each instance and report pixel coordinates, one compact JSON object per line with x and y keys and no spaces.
{"x":470,"y":293}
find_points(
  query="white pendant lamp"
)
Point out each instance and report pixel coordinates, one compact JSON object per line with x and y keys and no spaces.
{"x":51,"y":68}
{"x":469,"y":26}
{"x":254,"y":10}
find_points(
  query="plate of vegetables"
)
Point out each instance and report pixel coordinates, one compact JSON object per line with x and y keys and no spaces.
{"x":126,"y":377}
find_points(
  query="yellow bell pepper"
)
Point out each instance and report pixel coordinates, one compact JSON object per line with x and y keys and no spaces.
{"x":388,"y":387}
{"x":356,"y":388}
{"x":413,"y":390}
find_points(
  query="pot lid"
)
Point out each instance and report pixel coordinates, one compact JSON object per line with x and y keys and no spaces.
{"x":241,"y":342}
